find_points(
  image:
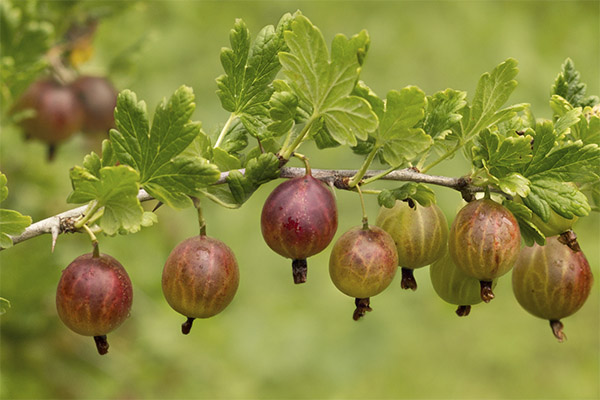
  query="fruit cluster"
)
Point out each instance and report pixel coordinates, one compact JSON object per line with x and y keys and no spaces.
{"x":53,"y":112}
{"x":299,"y":219}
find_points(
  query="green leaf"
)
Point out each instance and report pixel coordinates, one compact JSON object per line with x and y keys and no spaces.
{"x":588,"y":128}
{"x":569,"y":86}
{"x":4,"y":305}
{"x":400,"y":141}
{"x":225,"y":161}
{"x":182,"y":177}
{"x":283,"y":107}
{"x":245,"y":88}
{"x":501,"y":155}
{"x":529,"y":232}
{"x":442,"y":112}
{"x":3,"y":187}
{"x":493,"y":90}
{"x":564,"y":123}
{"x":514,"y":184}
{"x":155,"y":152}
{"x":11,"y":223}
{"x":326,"y":83}
{"x":410,"y":190}
{"x":572,"y":162}
{"x":566,"y":200}
{"x":258,"y":171}
{"x":115,"y":189}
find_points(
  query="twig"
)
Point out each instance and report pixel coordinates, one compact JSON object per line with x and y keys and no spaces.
{"x":63,"y":222}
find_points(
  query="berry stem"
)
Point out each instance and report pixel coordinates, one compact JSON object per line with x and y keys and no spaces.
{"x":186,"y":327}
{"x":486,"y":291}
{"x":305,"y":161}
{"x":362,"y":306}
{"x":299,"y":270}
{"x":557,"y":329}
{"x":96,"y":251}
{"x":408,"y":279}
{"x":365,"y":218}
{"x":201,"y":221}
{"x":101,"y":344}
{"x":463,"y":311}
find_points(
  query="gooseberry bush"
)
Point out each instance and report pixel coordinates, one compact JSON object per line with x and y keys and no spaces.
{"x":529,"y":179}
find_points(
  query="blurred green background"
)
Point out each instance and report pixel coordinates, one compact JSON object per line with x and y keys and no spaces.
{"x":278,"y":340}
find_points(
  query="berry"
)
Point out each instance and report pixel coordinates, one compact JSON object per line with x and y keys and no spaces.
{"x":484,"y":242}
{"x":57,"y":113}
{"x":454,"y":286}
{"x":552,"y":282}
{"x":299,"y":219}
{"x":200,"y":278}
{"x":99,"y":98}
{"x":94,"y":297}
{"x":420,"y":234}
{"x":362,"y":264}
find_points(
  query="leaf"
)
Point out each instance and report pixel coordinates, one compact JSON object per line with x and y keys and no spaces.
{"x":11,"y":223}
{"x":155,"y":152}
{"x":569,"y":86}
{"x":245,"y":88}
{"x":529,"y":232}
{"x":493,"y":90}
{"x":283,"y":107}
{"x":572,"y":162}
{"x":501,"y":155}
{"x":442,"y":112}
{"x":566,"y":200}
{"x":259,"y":170}
{"x":3,"y":187}
{"x":115,"y":189}
{"x":4,"y":305}
{"x":410,"y":190}
{"x":326,"y":83}
{"x":400,"y":141}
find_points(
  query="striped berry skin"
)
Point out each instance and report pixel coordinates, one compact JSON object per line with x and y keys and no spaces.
{"x":551,"y":281}
{"x":299,"y":219}
{"x":200,"y":277}
{"x":454,"y":286}
{"x":363,"y":263}
{"x":484,"y":240}
{"x":94,"y":296}
{"x":420,"y":234}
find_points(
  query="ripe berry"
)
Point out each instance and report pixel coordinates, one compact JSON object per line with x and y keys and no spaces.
{"x":57,"y":113}
{"x":454,"y":286}
{"x":94,"y":296}
{"x":200,"y":278}
{"x":298,"y":220}
{"x":484,"y":242}
{"x":552,"y":282}
{"x":98,"y":97}
{"x":420,"y":234}
{"x":362,"y":264}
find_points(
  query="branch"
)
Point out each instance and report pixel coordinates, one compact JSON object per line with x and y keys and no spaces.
{"x":63,"y":222}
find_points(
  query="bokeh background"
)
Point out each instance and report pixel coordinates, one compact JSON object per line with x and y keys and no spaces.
{"x":278,"y":340}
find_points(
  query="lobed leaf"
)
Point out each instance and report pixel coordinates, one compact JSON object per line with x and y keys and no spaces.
{"x":326,"y":83}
